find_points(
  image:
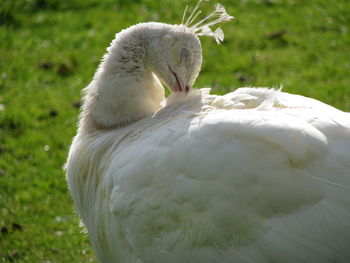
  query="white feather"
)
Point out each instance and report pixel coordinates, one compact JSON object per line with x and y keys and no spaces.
{"x":254,"y":176}
{"x":201,"y":182}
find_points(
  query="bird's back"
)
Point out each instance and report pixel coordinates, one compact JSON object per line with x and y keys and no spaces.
{"x":256,"y":175}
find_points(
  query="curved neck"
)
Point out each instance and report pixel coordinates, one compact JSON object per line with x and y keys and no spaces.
{"x":124,"y":89}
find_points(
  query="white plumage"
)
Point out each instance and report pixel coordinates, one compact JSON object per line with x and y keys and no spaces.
{"x":254,"y":176}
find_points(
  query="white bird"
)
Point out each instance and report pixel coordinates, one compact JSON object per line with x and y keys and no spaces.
{"x":254,"y":176}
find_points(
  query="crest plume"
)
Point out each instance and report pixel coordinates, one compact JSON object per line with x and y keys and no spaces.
{"x":202,"y":28}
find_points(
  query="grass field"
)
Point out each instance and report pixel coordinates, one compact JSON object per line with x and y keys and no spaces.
{"x":49,"y":50}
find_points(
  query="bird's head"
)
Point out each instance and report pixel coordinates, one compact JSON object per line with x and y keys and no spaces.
{"x":174,"y":55}
{"x":174,"y":52}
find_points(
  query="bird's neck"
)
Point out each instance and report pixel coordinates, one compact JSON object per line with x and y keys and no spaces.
{"x":124,"y":89}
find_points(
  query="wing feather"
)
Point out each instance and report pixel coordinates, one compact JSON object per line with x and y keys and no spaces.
{"x":245,"y":185}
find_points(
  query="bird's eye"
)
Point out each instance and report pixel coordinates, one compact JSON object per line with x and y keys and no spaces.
{"x":185,"y":56}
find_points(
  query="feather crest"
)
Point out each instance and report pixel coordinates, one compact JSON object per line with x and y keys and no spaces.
{"x":202,"y":28}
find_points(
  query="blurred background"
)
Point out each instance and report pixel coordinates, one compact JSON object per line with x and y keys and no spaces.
{"x":49,"y":50}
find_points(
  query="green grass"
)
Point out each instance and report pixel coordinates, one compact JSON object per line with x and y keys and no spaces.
{"x":49,"y":50}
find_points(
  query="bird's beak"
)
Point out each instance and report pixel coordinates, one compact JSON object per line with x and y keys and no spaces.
{"x":179,"y":84}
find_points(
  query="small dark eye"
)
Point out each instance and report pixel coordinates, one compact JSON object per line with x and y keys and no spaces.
{"x":185,"y":56}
